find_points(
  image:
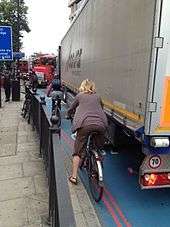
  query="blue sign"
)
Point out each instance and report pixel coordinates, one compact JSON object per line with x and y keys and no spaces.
{"x":18,"y":55}
{"x":6,"y":50}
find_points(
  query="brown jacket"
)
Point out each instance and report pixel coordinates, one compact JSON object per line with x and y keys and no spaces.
{"x":88,"y":110}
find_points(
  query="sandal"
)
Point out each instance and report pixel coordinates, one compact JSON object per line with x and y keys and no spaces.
{"x":73,"y":180}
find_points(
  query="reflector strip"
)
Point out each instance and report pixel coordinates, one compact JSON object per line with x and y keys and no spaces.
{"x":165,"y":114}
{"x":125,"y":113}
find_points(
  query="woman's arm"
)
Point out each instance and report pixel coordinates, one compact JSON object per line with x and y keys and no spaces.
{"x":73,"y":106}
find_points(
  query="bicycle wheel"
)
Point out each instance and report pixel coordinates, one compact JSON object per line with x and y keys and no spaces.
{"x":83,"y":163}
{"x":95,"y":178}
{"x":29,"y":113}
{"x":58,"y":114}
{"x":24,"y":109}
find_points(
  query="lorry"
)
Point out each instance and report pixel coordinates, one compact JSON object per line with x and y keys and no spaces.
{"x":124,"y":47}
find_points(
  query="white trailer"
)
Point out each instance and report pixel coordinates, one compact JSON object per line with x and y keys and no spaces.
{"x":124,"y":46}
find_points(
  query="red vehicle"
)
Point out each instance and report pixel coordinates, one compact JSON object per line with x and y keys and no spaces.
{"x":44,"y":66}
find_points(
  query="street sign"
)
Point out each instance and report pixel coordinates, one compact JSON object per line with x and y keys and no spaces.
{"x":154,"y":161}
{"x":18,"y":55}
{"x":6,"y":50}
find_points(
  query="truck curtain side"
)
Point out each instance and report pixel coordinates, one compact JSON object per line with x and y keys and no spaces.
{"x":123,"y":46}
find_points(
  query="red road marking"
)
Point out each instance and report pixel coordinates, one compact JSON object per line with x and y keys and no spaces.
{"x":111,"y":211}
{"x":114,"y":203}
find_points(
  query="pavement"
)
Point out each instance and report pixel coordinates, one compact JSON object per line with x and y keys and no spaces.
{"x":23,"y":182}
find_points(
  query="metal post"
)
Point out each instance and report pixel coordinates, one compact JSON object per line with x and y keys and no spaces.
{"x":16,"y":81}
{"x":18,"y":33}
{"x":0,"y":89}
{"x":59,"y":62}
{"x":18,"y":30}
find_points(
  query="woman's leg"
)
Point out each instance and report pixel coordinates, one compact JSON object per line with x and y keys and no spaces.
{"x":76,"y":161}
{"x":79,"y":145}
{"x":99,"y":138}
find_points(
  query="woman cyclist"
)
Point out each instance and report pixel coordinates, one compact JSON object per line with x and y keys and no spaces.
{"x":89,"y":117}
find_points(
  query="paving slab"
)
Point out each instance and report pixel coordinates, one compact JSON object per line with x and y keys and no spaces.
{"x":32,"y":225}
{"x":16,"y":188}
{"x":7,"y":149}
{"x":8,"y":129}
{"x":27,"y":139}
{"x":24,"y":127}
{"x":27,"y":147}
{"x":41,"y":185}
{"x":36,"y":207}
{"x":11,"y":171}
{"x":28,"y":132}
{"x":34,"y":156}
{"x":20,"y":157}
{"x":13,"y":124}
{"x":35,"y":225}
{"x":13,"y":213}
{"x":6,"y":138}
{"x":33,"y":168}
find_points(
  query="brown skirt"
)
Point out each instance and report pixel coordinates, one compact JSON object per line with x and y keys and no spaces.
{"x":82,"y":136}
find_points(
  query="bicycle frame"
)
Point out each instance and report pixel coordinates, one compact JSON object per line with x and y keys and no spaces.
{"x":90,"y":152}
{"x":94,"y":169}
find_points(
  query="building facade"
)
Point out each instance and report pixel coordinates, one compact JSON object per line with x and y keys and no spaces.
{"x":75,"y":6}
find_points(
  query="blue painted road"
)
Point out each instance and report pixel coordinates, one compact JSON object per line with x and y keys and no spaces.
{"x":123,"y":203}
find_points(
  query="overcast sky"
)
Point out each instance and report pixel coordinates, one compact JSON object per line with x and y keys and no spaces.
{"x":48,"y":21}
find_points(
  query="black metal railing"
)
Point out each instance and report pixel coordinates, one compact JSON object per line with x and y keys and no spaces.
{"x":44,"y":137}
{"x":60,"y":207}
{"x":35,"y":107}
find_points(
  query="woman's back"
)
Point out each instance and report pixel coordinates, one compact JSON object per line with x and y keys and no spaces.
{"x":89,"y":111}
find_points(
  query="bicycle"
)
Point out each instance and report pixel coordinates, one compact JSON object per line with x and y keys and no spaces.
{"x":93,"y":164}
{"x":56,"y":111}
{"x":26,"y":108}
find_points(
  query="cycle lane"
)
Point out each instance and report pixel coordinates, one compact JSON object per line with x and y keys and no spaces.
{"x":124,"y":203}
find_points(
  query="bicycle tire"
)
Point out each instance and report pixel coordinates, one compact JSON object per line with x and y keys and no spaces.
{"x":58,"y":114}
{"x":83,"y":163}
{"x":95,"y":184}
{"x":24,"y":109}
{"x":29,"y":113}
{"x":23,"y":113}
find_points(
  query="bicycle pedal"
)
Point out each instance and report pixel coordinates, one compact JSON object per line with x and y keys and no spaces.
{"x":101,"y":183}
{"x":102,"y":152}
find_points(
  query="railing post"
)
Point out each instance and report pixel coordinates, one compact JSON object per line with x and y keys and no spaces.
{"x":53,"y":207}
{"x":42,"y":102}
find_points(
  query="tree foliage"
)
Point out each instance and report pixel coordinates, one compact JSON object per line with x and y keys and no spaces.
{"x":9,"y":17}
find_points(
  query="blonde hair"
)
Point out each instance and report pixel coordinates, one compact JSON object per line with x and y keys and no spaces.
{"x":87,"y":86}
